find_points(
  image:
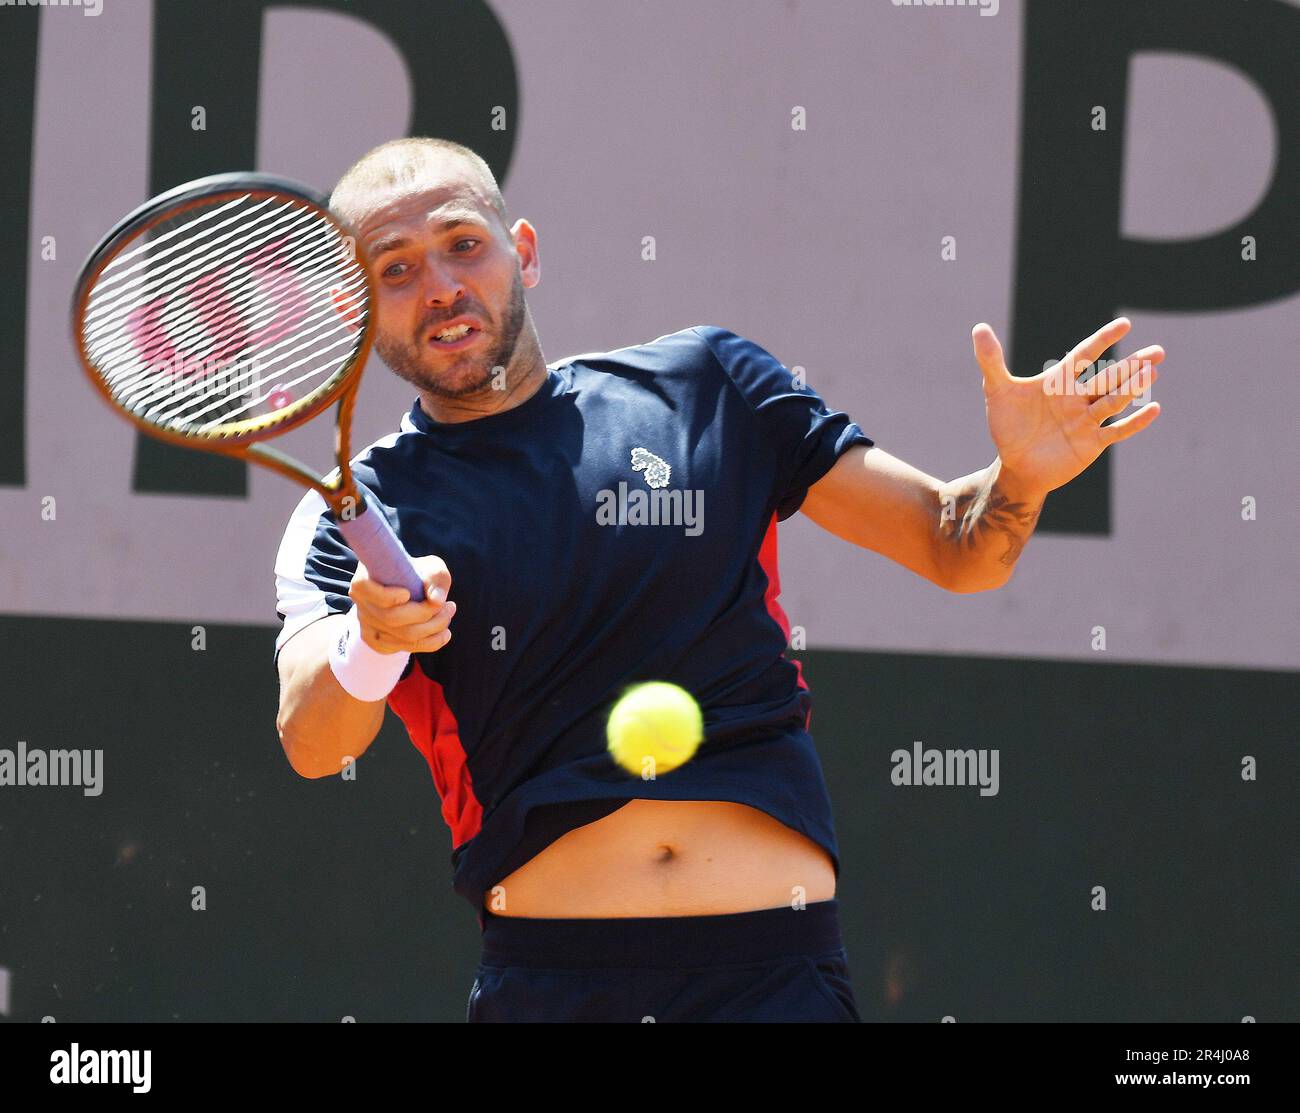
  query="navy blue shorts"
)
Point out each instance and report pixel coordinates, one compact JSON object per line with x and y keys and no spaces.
{"x":778,"y":964}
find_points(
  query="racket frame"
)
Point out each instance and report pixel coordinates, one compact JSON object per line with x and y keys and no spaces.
{"x":341,"y":494}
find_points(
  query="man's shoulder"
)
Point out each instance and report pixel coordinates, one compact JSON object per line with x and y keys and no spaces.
{"x":685,"y":350}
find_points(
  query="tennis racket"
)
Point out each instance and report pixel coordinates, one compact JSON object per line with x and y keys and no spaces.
{"x":230,"y":310}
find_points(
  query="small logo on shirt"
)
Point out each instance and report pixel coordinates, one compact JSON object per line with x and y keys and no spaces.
{"x":657,"y":471}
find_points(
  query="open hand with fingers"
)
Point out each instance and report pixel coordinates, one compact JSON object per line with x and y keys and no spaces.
{"x":1048,"y":427}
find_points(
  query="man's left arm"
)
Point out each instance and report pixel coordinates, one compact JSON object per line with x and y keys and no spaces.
{"x":966,"y":534}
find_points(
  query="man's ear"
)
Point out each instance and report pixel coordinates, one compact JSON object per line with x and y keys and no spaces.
{"x":524,"y":236}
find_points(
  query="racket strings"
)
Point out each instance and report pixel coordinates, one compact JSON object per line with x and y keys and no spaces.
{"x":108,"y":313}
{"x":245,"y":307}
{"x":198,"y":254}
{"x":263,"y":311}
{"x":233,"y":312}
{"x":158,"y":237}
{"x":220,"y":374}
{"x":130,"y":385}
{"x":255,"y":375}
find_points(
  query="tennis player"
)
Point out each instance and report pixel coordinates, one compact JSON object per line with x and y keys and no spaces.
{"x":606,"y":519}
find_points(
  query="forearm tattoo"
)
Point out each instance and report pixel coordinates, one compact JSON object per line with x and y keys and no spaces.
{"x":985,"y":516}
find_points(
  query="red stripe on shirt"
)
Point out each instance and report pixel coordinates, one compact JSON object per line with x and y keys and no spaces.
{"x":420,"y":704}
{"x":769,"y":561}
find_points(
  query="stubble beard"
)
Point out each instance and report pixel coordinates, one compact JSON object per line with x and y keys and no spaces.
{"x":470,"y":373}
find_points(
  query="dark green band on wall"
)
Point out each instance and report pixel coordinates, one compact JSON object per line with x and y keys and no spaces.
{"x":327,"y":898}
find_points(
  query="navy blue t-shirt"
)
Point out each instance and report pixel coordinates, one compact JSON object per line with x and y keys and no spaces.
{"x":617,"y":526}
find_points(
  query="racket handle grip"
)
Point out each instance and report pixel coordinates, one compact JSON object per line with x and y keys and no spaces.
{"x":372,"y":539}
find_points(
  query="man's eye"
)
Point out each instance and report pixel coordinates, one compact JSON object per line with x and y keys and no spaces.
{"x":468,"y":241}
{"x":393,"y":270}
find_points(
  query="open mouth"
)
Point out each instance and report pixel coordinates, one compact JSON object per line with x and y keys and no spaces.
{"x":453,"y":338}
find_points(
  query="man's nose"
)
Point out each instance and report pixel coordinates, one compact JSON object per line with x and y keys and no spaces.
{"x":441,"y":286}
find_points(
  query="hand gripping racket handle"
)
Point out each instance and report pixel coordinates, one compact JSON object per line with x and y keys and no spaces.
{"x":369,"y":535}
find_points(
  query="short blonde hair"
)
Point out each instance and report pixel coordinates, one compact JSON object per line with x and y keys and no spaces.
{"x":400,"y":162}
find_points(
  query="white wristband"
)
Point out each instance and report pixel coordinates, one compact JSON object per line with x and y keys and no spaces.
{"x":362,"y":672}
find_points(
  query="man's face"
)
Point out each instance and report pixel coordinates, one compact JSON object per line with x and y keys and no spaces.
{"x":438,"y":253}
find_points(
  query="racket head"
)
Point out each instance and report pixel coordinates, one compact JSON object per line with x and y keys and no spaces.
{"x":224,"y":312}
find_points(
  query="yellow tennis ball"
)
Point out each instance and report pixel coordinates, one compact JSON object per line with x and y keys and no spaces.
{"x":654,"y":727}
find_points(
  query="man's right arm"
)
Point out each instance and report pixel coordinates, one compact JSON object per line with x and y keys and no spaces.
{"x":320,"y":724}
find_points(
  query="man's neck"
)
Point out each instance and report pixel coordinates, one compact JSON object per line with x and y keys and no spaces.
{"x":504,"y":392}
